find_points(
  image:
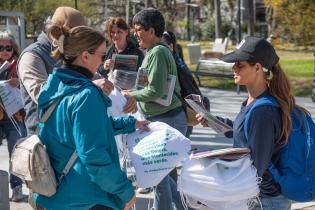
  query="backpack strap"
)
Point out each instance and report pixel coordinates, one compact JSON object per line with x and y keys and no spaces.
{"x":69,"y":164}
{"x":74,"y":155}
{"x":263,"y":101}
{"x":50,"y":110}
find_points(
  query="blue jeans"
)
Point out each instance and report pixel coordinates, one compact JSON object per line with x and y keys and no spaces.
{"x":166,"y":190}
{"x":274,"y":203}
{"x":10,"y":133}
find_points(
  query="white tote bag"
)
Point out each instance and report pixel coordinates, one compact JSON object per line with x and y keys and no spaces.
{"x":220,"y":184}
{"x":118,"y":103}
{"x":155,"y":153}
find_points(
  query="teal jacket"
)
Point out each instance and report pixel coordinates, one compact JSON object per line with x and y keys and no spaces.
{"x":80,"y":122}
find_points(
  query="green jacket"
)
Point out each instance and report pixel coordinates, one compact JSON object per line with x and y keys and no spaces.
{"x":159,"y":63}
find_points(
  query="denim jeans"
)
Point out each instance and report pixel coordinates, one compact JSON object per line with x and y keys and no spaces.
{"x":274,"y":203}
{"x":100,"y":207}
{"x":12,"y":136}
{"x":178,"y":121}
{"x":166,"y":190}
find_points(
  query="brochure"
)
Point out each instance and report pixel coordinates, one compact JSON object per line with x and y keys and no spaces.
{"x":125,"y":62}
{"x":142,"y":81}
{"x":195,"y":103}
{"x":11,"y":98}
{"x":124,"y":71}
{"x":227,"y":154}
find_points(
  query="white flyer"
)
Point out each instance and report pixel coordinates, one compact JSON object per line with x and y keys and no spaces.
{"x":11,"y":98}
{"x":195,"y":103}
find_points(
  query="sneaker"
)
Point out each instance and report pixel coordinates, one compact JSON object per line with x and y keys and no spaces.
{"x":143,"y":190}
{"x":17,"y":194}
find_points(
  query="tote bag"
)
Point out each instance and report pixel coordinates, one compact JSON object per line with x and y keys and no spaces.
{"x":219,"y":184}
{"x":155,"y":153}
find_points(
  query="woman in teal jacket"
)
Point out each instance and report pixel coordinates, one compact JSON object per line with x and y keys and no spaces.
{"x":80,"y":123}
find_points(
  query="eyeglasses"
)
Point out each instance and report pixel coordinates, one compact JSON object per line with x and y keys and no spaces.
{"x":7,"y":48}
{"x":103,"y":55}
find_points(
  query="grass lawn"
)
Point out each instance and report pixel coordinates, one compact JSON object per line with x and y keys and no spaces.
{"x":298,"y":66}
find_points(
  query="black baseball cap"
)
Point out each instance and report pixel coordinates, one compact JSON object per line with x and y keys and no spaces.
{"x":253,"y":49}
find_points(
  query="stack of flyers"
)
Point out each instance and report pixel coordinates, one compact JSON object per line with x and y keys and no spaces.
{"x":226,"y":154}
{"x":195,"y":102}
{"x":125,"y":62}
{"x":124,"y":71}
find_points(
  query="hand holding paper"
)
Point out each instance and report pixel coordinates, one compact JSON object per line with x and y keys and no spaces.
{"x":218,"y":126}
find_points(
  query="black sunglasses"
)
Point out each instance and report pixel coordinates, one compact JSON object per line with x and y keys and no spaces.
{"x":103,"y":55}
{"x":7,"y":48}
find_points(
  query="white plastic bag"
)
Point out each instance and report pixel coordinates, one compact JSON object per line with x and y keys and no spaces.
{"x":118,"y":103}
{"x":155,"y":153}
{"x":220,"y":184}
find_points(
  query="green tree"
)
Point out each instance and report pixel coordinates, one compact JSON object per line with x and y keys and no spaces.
{"x":294,"y":20}
{"x":37,"y":11}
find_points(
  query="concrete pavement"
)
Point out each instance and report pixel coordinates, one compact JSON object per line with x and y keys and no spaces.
{"x":223,"y":103}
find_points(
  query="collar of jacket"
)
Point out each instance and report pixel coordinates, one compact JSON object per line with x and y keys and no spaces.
{"x":81,"y":70}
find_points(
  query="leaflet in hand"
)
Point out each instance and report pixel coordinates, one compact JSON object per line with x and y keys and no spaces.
{"x":11,"y":98}
{"x":142,"y":81}
{"x":124,"y":71}
{"x":195,"y":103}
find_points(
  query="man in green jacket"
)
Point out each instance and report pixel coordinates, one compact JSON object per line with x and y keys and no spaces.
{"x":159,"y":63}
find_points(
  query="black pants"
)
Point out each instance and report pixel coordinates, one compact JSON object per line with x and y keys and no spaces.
{"x":100,"y":207}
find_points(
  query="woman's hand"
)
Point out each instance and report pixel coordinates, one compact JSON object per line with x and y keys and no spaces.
{"x":142,"y":124}
{"x":130,"y":204}
{"x":202,"y":120}
{"x":106,"y":85}
{"x":13,"y":82}
{"x":108,"y":64}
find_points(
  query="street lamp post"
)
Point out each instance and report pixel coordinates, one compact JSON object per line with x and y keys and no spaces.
{"x":239,"y":25}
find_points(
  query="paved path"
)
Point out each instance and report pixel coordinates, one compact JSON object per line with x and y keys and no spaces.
{"x":223,"y":103}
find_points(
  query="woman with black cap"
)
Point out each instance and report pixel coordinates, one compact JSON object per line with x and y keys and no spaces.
{"x":256,"y":66}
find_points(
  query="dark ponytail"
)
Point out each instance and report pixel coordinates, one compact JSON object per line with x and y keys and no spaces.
{"x":280,"y":88}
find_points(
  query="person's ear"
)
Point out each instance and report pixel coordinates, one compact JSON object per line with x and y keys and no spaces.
{"x":152,"y":31}
{"x":85,"y":55}
{"x":258,"y":67}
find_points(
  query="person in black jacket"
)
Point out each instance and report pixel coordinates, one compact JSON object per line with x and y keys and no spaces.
{"x":186,"y":80}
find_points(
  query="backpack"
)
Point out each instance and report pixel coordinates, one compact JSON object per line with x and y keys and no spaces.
{"x":295,"y":171}
{"x":30,"y":162}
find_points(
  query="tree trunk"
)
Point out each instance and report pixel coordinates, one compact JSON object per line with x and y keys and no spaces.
{"x":251,"y":18}
{"x":218,"y":33}
{"x":188,"y":20}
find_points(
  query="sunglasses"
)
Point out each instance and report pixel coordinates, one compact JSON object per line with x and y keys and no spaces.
{"x":7,"y":48}
{"x":103,"y":55}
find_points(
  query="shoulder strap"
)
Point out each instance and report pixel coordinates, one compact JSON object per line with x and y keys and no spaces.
{"x":50,"y":110}
{"x":263,"y":101}
{"x":74,"y":155}
{"x":69,"y":164}
{"x":267,"y":100}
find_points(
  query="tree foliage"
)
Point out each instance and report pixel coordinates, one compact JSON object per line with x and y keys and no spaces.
{"x":294,"y":20}
{"x":37,"y":11}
